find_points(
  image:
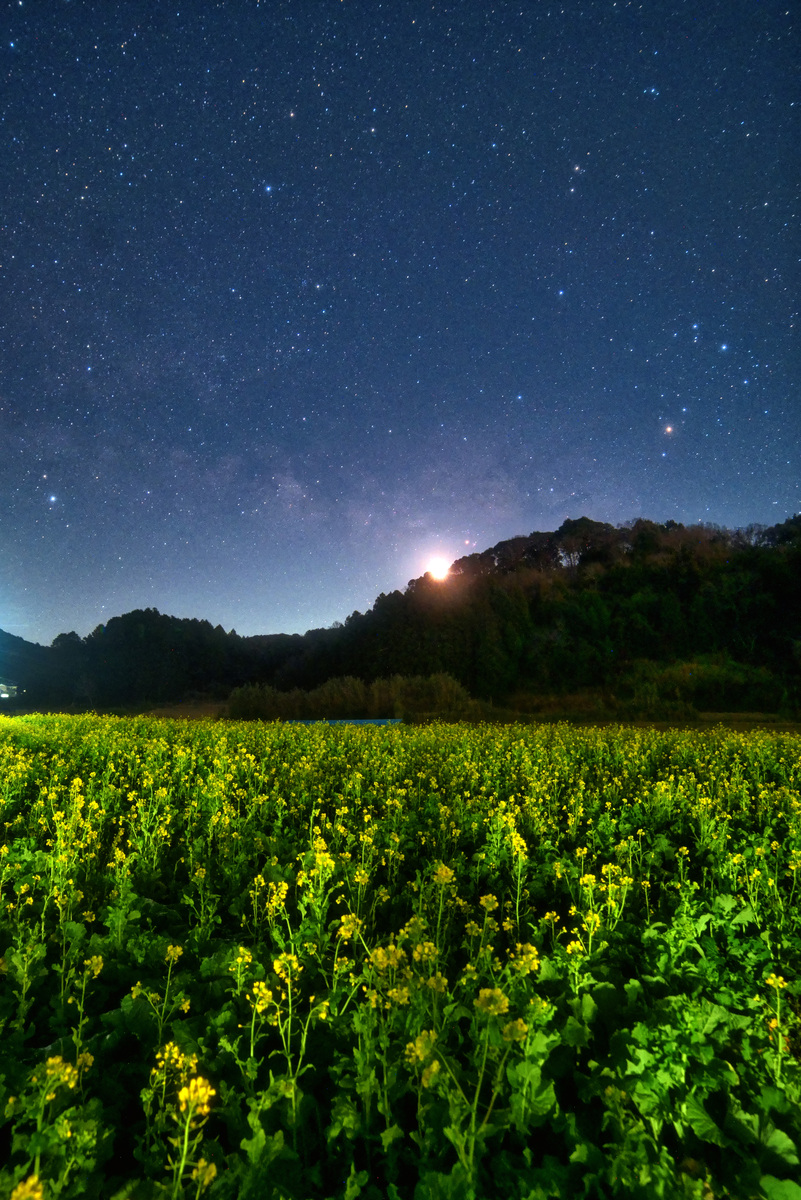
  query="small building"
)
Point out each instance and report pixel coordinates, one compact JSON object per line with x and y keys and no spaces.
{"x":7,"y":689}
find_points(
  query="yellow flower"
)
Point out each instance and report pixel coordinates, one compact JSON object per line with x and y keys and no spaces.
{"x":349,"y":926}
{"x":261,"y":996}
{"x":776,"y":981}
{"x":361,"y":876}
{"x":526,"y":958}
{"x":438,"y":983}
{"x":575,"y":948}
{"x":196,"y":1097}
{"x":285,"y":965}
{"x":429,"y":1073}
{"x":539,"y":1009}
{"x":421,"y":1047}
{"x":242,"y":961}
{"x":170,"y":1056}
{"x":488,"y":902}
{"x":204,"y":1174}
{"x":492,"y":1002}
{"x":519,"y":847}
{"x":386,"y":958}
{"x":399,"y":995}
{"x":443,"y":875}
{"x":471,"y":929}
{"x":29,"y":1189}
{"x":425,"y":952}
{"x":173,"y":954}
{"x":94,"y":964}
{"x":515,"y":1031}
{"x":58,"y":1071}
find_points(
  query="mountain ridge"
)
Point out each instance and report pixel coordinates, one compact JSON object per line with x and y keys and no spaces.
{"x":578,"y":607}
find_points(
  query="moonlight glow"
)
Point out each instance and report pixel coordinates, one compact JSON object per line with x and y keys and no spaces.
{"x":438,"y":567}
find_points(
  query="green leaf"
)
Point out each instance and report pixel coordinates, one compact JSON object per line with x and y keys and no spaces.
{"x":702,"y":1124}
{"x":779,"y":1189}
{"x":783,"y":1146}
{"x":588,"y":1008}
{"x":724,"y":904}
{"x":574,"y":1033}
{"x":633,"y":990}
{"x":355,"y":1183}
{"x":744,"y":917}
{"x":457,"y":1011}
{"x":607,"y":1000}
{"x":527,"y":1074}
{"x":541,"y":1044}
{"x":346,"y":1119}
{"x":548,"y":972}
{"x":531,"y":1102}
{"x":390,"y":1135}
{"x":261,"y":1148}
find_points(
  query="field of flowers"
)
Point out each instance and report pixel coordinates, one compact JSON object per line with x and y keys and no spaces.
{"x":299,"y":962}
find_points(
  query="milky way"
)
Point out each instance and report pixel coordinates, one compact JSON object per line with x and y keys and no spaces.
{"x":296,"y":295}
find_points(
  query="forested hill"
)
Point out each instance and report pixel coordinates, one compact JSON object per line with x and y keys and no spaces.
{"x":698,"y":613}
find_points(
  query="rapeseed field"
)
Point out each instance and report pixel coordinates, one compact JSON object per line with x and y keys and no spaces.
{"x":246,"y":960}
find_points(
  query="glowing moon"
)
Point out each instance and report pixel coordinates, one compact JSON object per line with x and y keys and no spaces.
{"x":438,"y":567}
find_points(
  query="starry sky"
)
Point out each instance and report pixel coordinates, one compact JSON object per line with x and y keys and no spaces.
{"x":295,"y":294}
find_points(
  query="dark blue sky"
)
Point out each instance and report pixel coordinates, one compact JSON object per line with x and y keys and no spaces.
{"x":295,"y":294}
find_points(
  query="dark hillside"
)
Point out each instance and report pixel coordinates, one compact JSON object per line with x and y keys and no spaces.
{"x":649,"y":615}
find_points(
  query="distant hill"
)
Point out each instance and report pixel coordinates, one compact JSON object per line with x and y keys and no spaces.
{"x":650,"y":614}
{"x":22,"y":663}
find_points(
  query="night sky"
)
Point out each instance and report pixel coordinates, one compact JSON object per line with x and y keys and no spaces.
{"x":296,"y":294}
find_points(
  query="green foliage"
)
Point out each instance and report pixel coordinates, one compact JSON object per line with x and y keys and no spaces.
{"x":431,"y":695}
{"x":716,"y":685}
{"x":311,"y":962}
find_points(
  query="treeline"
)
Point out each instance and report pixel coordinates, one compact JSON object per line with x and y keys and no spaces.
{"x":654,"y":617}
{"x":647,"y":616}
{"x":349,"y":697}
{"x":138,"y":658}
